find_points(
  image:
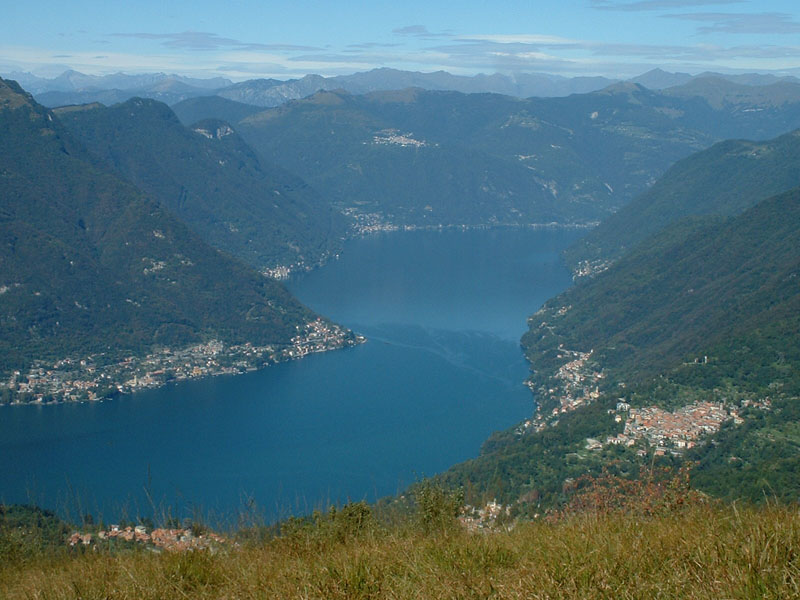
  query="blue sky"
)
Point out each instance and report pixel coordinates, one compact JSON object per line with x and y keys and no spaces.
{"x":243,"y":39}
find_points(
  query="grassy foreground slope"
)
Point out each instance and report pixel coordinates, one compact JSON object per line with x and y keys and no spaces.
{"x":695,"y":552}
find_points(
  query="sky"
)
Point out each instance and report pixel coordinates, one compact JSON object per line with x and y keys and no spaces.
{"x":245,"y":39}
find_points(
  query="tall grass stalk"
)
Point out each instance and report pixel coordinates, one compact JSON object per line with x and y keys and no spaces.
{"x":702,"y":551}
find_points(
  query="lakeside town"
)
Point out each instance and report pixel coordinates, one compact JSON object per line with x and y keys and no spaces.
{"x":97,"y":377}
{"x":157,"y":539}
{"x":590,"y":268}
{"x":575,"y":383}
{"x":393,"y":137}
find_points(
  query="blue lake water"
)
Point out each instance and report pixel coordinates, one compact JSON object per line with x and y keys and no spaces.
{"x":443,"y":313}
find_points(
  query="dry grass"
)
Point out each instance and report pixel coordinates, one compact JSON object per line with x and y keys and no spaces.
{"x":699,"y":552}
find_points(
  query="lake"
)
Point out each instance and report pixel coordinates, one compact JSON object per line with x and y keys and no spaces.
{"x":442,"y":369}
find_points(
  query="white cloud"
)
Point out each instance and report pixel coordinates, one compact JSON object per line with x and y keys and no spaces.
{"x":645,"y":5}
{"x":739,"y":23}
{"x":546,"y":40}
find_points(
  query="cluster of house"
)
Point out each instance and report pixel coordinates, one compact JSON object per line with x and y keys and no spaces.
{"x":576,"y":379}
{"x":319,"y":336}
{"x":93,"y":378}
{"x":575,"y":384}
{"x":173,"y":540}
{"x":670,"y":431}
{"x":473,"y":519}
{"x":67,"y":380}
{"x":388,"y":137}
{"x":366,"y":223}
{"x":588,"y":268}
{"x":280,"y":272}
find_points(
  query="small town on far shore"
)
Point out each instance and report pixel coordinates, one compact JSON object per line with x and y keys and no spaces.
{"x":97,"y":377}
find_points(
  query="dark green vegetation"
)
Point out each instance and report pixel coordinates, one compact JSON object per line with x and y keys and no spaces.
{"x":535,"y":472}
{"x":212,"y":181}
{"x":192,"y":110}
{"x":694,"y":285}
{"x":706,"y":310}
{"x":666,"y":549}
{"x":724,"y":180}
{"x":28,"y":532}
{"x":429,"y":158}
{"x":90,"y":264}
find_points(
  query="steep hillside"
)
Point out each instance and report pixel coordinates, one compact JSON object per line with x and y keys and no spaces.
{"x":684,"y":352}
{"x":210,"y":179}
{"x":90,"y":264}
{"x":696,"y":282}
{"x":724,"y":180}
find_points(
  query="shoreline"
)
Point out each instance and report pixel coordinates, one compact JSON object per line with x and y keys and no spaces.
{"x":95,"y":378}
{"x":285,"y":272}
{"x":50,"y":384}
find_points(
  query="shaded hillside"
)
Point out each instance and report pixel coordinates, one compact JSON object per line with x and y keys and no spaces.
{"x":88,"y":263}
{"x":210,"y":179}
{"x":696,"y":283}
{"x":724,"y":180}
{"x":192,"y":110}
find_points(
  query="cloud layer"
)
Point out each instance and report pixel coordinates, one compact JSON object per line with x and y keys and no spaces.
{"x":704,"y":39}
{"x":741,"y":23}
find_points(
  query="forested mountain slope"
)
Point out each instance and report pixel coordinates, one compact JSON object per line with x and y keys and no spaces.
{"x":701,"y":319}
{"x":88,"y":263}
{"x":724,"y":180}
{"x":210,"y":179}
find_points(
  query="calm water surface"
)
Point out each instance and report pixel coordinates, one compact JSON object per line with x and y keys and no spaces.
{"x":443,"y":312}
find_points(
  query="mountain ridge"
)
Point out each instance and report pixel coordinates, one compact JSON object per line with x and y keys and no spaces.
{"x":76,"y":88}
{"x":214,"y":183}
{"x":723,"y":180}
{"x":91,"y":265}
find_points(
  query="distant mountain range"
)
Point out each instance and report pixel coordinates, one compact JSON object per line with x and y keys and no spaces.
{"x":416,"y":157}
{"x":73,"y":81}
{"x":76,"y":88}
